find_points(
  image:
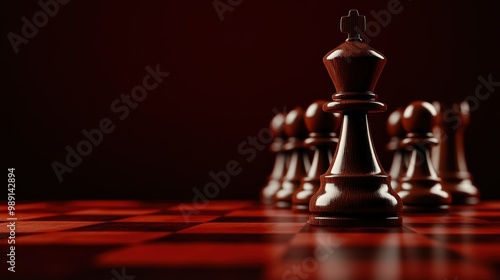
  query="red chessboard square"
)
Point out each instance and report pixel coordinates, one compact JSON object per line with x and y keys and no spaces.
{"x":194,"y":255}
{"x":169,"y":218}
{"x":119,"y":211}
{"x":331,"y":239}
{"x":212,"y":205}
{"x":135,"y":226}
{"x":266,"y":213}
{"x":44,"y":226}
{"x":227,"y":238}
{"x":245,"y":228}
{"x":89,"y":238}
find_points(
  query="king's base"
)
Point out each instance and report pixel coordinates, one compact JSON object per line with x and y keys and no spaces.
{"x":362,"y":221}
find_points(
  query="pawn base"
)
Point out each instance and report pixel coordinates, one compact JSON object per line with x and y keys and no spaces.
{"x":464,"y":200}
{"x":267,"y":193}
{"x":463,"y":191}
{"x":283,"y":204}
{"x":304,"y":208}
{"x":425,"y":208}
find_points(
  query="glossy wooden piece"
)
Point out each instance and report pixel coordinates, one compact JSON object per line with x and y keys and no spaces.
{"x":273,"y":182}
{"x":323,"y":130}
{"x":450,"y":153}
{"x":401,"y":154}
{"x":421,"y":188}
{"x":299,"y":163}
{"x":355,"y":191}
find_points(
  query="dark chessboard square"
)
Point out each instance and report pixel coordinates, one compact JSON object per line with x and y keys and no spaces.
{"x":311,"y":228}
{"x":243,"y":219}
{"x":79,"y":218}
{"x":157,"y":204}
{"x":494,"y":219}
{"x":71,"y":259}
{"x":495,"y":266}
{"x":259,"y":207}
{"x":136,"y":226}
{"x":185,"y":273}
{"x":194,"y":213}
{"x":227,"y":238}
{"x":213,"y":205}
{"x":249,"y":272}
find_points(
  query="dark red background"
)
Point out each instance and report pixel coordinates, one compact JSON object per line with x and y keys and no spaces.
{"x":226,"y":78}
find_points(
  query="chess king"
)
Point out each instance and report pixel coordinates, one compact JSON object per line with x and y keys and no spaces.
{"x":355,"y":191}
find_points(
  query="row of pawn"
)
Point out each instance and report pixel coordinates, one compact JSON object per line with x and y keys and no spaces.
{"x":428,"y":174}
{"x":295,"y":178}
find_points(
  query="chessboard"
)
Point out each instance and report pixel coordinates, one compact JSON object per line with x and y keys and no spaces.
{"x":92,"y":240}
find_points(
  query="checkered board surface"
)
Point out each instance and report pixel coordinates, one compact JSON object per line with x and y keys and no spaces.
{"x":118,"y":240}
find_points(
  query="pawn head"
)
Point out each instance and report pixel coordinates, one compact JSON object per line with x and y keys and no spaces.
{"x":294,"y":123}
{"x":277,"y":125}
{"x":319,"y":121}
{"x":419,"y":117}
{"x":395,"y":125}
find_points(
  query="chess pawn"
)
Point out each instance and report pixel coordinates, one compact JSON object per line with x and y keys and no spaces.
{"x":401,"y":154}
{"x":323,"y":128}
{"x":355,"y":190}
{"x":421,"y":188}
{"x":450,"y":154}
{"x":298,"y":165}
{"x":273,"y":183}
